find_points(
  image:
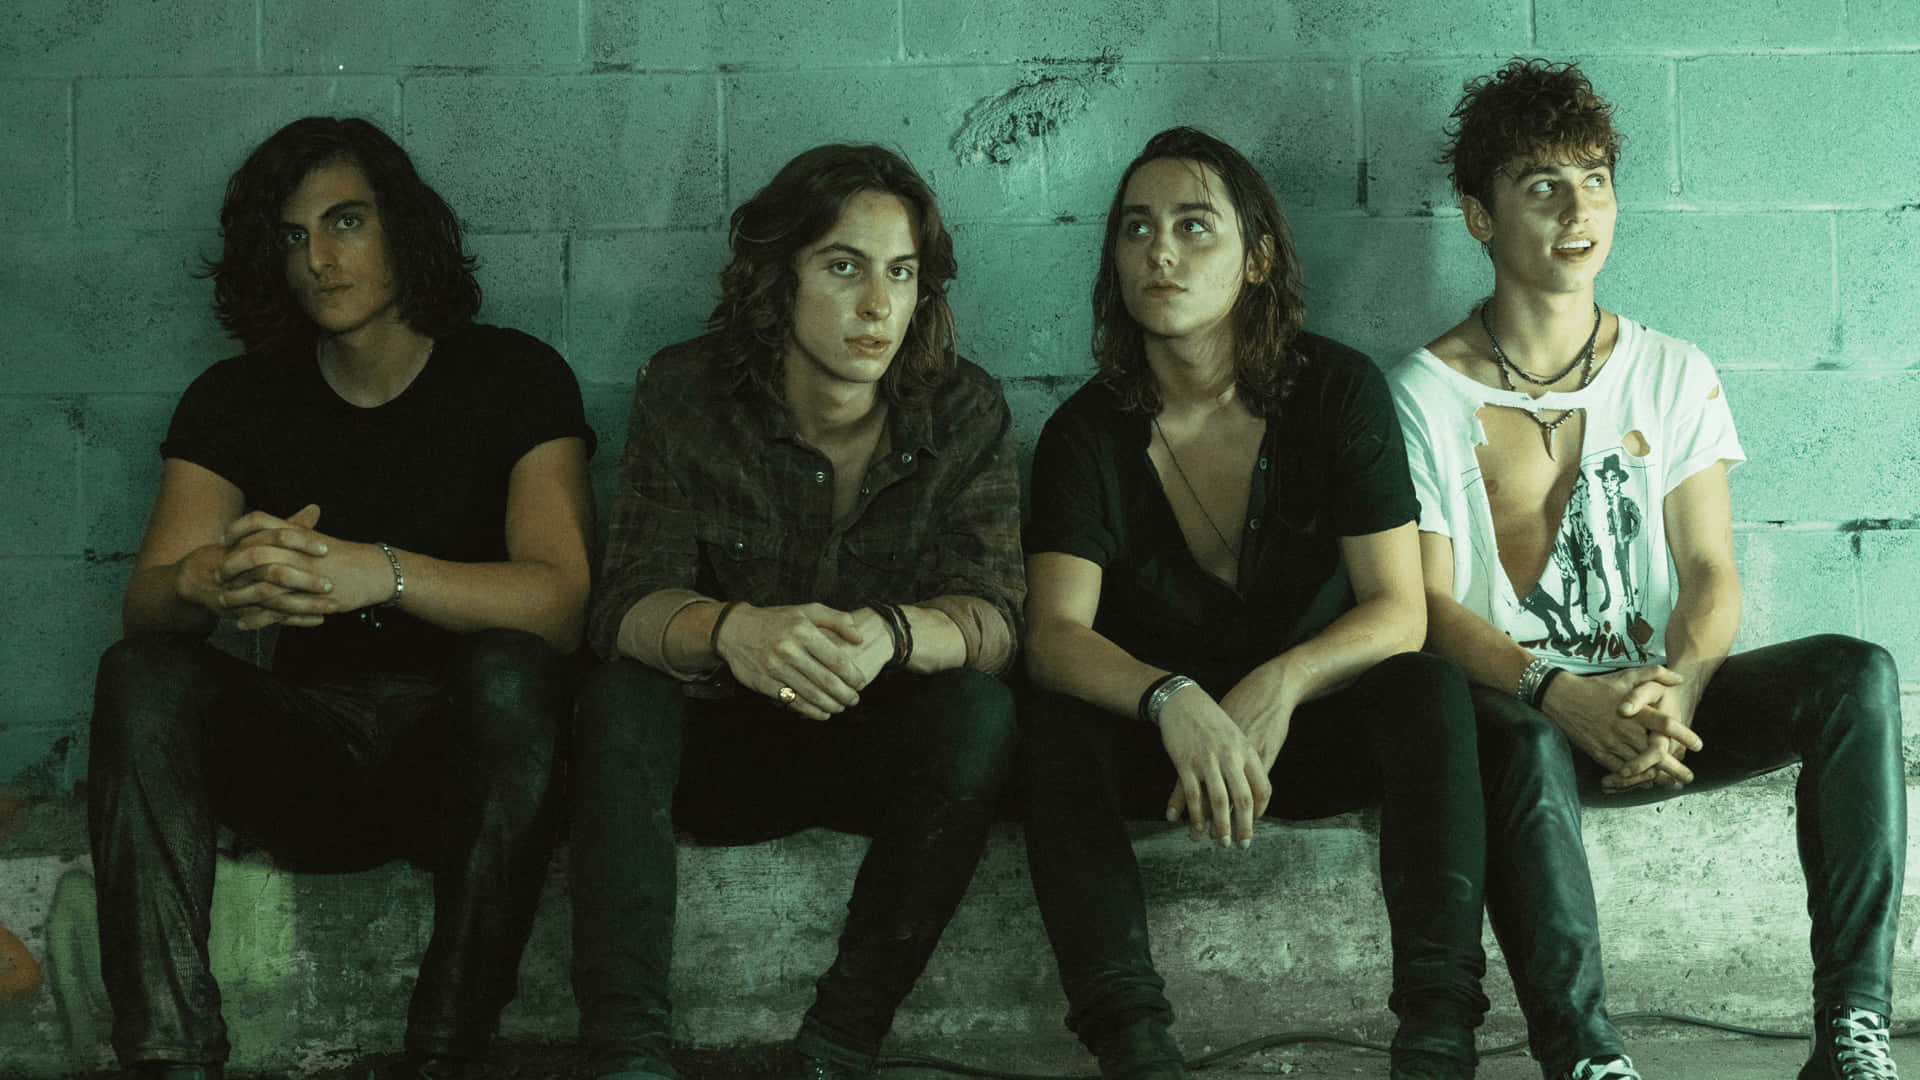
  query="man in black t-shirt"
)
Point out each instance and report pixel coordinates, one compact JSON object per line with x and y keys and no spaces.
{"x":417,"y":697}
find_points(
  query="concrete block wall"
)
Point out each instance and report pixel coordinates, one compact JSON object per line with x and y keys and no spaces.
{"x":1770,"y":213}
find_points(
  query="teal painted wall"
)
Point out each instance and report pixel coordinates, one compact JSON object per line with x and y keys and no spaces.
{"x":1771,"y":213}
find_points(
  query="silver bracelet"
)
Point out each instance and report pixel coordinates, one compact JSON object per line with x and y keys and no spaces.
{"x":1156,"y":701}
{"x":1529,"y":683}
{"x":399,"y":579}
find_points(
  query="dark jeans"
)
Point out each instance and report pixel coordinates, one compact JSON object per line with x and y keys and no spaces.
{"x":454,"y":773}
{"x":1831,"y":702}
{"x":1400,"y":736}
{"x":917,"y":765}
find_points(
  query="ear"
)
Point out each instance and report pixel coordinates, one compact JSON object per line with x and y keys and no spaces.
{"x":1479,"y":219}
{"x":1260,"y":261}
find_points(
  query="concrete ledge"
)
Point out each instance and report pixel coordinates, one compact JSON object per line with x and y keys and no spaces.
{"x":1701,"y":901}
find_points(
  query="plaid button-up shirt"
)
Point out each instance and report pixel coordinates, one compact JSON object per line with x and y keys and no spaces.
{"x":720,"y":499}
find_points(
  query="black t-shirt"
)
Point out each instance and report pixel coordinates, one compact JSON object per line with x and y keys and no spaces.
{"x":425,"y":472}
{"x":1331,"y":465}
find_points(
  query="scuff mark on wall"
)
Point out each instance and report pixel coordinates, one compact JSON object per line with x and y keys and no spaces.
{"x":1054,"y":91}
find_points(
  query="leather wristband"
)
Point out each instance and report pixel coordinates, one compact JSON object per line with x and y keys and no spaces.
{"x":1153,"y":701}
{"x":713,"y":635}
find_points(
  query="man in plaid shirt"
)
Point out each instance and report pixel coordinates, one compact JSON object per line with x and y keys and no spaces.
{"x":811,"y":583}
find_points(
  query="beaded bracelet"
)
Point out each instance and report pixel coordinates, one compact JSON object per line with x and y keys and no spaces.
{"x":399,"y":579}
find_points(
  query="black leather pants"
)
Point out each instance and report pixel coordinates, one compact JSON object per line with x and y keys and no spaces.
{"x":455,"y":773}
{"x":1399,"y":737}
{"x":917,"y":765}
{"x":1831,"y":702}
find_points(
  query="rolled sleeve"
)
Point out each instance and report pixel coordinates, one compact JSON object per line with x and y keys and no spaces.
{"x":978,"y":579}
{"x":651,"y":546}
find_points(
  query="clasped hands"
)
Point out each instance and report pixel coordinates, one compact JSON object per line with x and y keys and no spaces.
{"x":1224,"y":751}
{"x":1635,"y":721}
{"x":825,"y":655}
{"x":268,"y":570}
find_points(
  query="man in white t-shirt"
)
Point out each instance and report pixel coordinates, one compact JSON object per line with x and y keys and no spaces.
{"x":1577,"y":543}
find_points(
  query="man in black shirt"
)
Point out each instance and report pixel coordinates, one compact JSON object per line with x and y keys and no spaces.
{"x":1225,"y":603}
{"x":417,"y":696}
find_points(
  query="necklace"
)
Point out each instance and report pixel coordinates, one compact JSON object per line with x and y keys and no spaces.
{"x":1182,"y":473}
{"x":1582,"y":360}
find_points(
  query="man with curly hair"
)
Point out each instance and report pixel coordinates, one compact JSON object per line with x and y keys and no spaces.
{"x":1545,"y":432}
{"x":811,"y":582}
{"x":417,"y":692}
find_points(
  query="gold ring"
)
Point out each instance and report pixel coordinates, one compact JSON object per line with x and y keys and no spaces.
{"x":787,"y":695}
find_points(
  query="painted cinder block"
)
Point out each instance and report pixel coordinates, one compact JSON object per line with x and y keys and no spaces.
{"x":1387,"y":286}
{"x":1794,"y":584}
{"x":1022,"y":304}
{"x":544,"y":153}
{"x":35,"y":143}
{"x":66,"y":612}
{"x":1783,"y":131}
{"x":172,"y":37}
{"x":1825,"y":446}
{"x":1883,"y":23}
{"x":522,"y":283}
{"x":631,"y":294}
{"x":156,"y":153}
{"x":668,"y":34}
{"x":1020,"y":30}
{"x":917,"y":112}
{"x":1879,"y":261}
{"x":1409,"y":102}
{"x":39,"y":476}
{"x":382,"y":35}
{"x":1890,"y":591}
{"x":107,"y":311}
{"x":120,"y":468}
{"x":1293,"y":119}
{"x":1347,"y":27}
{"x":1769,"y":276}
{"x":1706,"y":24}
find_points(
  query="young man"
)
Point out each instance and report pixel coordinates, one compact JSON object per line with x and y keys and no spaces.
{"x":1575,"y":533}
{"x":417,"y":689}
{"x":1225,"y":596}
{"x":812,"y":578}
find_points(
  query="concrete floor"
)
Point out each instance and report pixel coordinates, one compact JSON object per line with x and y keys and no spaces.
{"x":1696,"y":1056}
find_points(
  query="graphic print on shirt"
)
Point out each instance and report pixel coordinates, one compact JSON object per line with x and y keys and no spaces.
{"x":1587,"y":602}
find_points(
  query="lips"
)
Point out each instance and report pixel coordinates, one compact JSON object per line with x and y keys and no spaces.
{"x":869,"y":344}
{"x":1573,"y":248}
{"x":1163,"y":288}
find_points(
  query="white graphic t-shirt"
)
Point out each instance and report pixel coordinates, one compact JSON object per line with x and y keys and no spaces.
{"x":1655,"y":415}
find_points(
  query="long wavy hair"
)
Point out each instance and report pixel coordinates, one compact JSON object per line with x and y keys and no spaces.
{"x":434,"y":284}
{"x":797,"y":207}
{"x":1266,"y":317}
{"x":1529,"y":110}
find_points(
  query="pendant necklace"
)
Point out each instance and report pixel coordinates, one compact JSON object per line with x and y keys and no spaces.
{"x":1182,"y":473}
{"x":1582,"y":360}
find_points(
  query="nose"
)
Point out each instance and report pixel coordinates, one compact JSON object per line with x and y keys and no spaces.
{"x":1579,"y":206}
{"x":1160,"y":249}
{"x":320,"y":252}
{"x":875,"y":303}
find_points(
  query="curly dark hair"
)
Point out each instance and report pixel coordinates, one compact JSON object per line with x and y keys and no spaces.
{"x":797,"y":207}
{"x":1267,"y":315}
{"x":433,"y":277}
{"x":1529,"y":111}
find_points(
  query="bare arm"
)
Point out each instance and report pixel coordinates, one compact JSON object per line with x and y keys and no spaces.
{"x":1706,"y":615}
{"x":541,"y":587}
{"x":174,"y":584}
{"x":1587,"y":708}
{"x":1221,"y":778}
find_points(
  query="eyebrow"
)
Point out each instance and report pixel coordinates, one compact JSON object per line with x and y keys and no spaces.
{"x":1536,"y":168}
{"x":333,"y":211}
{"x":911,"y":256}
{"x":1179,"y":208}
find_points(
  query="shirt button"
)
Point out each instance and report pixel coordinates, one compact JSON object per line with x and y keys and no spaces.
{"x":906,"y":457}
{"x":820,"y":478}
{"x":1254,"y":524}
{"x":1263,"y":463}
{"x":739,"y":545}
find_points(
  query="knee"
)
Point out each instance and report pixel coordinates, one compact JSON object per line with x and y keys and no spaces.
{"x":1516,"y":740}
{"x":508,"y":671}
{"x":970,"y":718}
{"x":1422,"y":697}
{"x":1843,"y":667}
{"x":627,"y":716}
{"x":143,"y":686}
